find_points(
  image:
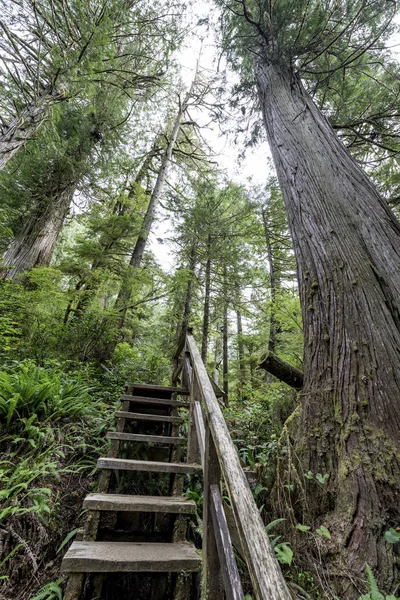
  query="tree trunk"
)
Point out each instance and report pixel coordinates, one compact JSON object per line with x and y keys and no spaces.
{"x":240,"y":346}
{"x":347,"y":246}
{"x":187,"y":307}
{"x":282,"y":370}
{"x":217,"y":359}
{"x":225,"y":364}
{"x":34,"y":246}
{"x":107,"y":244}
{"x":123,"y":297}
{"x":22,"y":128}
{"x":206,"y":311}
{"x":273,"y":325}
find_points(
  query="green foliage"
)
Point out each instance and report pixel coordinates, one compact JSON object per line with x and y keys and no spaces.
{"x":31,"y":393}
{"x":392,"y":536}
{"x":19,"y":493}
{"x":373,"y":592}
{"x":283,"y":551}
{"x":44,"y":412}
{"x":323,"y":532}
{"x":50,"y":591}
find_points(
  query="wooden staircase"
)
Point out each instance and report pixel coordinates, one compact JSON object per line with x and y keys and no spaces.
{"x":135,"y":546}
{"x":150,"y":420}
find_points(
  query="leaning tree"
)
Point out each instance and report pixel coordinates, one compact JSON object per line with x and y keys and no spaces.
{"x":347,"y":245}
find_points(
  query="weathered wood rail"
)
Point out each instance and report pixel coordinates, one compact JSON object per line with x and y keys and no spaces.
{"x":210,"y":443}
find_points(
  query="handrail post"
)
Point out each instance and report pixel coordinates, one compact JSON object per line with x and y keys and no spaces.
{"x":212,"y":585}
{"x":193,"y":451}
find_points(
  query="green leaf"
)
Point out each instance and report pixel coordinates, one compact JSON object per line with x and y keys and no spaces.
{"x":392,"y":536}
{"x":272,"y":524}
{"x":309,"y":475}
{"x":67,"y":538}
{"x":324,"y":532}
{"x":303,"y":527}
{"x":322,"y":478}
{"x":284,"y":553}
{"x":258,"y":489}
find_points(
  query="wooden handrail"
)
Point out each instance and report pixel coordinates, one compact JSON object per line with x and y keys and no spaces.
{"x":219,"y":457}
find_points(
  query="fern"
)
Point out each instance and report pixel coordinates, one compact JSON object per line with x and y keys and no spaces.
{"x":50,"y":591}
{"x":373,"y":592}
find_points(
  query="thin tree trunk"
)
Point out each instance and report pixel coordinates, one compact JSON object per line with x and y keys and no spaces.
{"x":22,"y":128}
{"x":206,"y":312}
{"x":217,"y":359}
{"x":273,"y":325}
{"x":347,"y":246}
{"x":187,"y":307}
{"x":34,"y":246}
{"x":124,"y":294}
{"x":90,"y":284}
{"x":225,"y":364}
{"x":240,"y":347}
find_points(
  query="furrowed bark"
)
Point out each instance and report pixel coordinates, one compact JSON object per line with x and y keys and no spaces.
{"x":347,"y":246}
{"x":282,"y":370}
{"x":34,"y":246}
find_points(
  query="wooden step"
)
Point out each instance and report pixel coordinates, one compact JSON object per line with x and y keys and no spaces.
{"x":126,"y":503}
{"x":158,"y":401}
{"x":157,"y":388}
{"x":151,"y":466}
{"x":138,"y":437}
{"x":143,"y":417}
{"x":111,"y":557}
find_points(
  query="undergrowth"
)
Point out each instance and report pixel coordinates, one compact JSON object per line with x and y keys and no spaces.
{"x":53,"y":421}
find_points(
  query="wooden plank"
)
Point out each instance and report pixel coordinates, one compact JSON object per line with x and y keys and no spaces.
{"x":217,"y":390}
{"x":200,"y":430}
{"x":235,"y":539}
{"x":127,"y":503}
{"x":138,"y":437}
{"x":143,"y":417}
{"x":230,"y":573}
{"x":158,"y":388}
{"x":151,"y":466}
{"x":150,"y":400}
{"x":213,"y":586}
{"x":74,"y":586}
{"x":193,"y":450}
{"x":111,"y":557}
{"x":264,"y":570}
{"x":186,"y":371}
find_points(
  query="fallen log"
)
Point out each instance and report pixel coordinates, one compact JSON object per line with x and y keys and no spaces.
{"x":282,"y":370}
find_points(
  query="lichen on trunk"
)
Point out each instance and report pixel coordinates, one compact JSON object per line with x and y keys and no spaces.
{"x":347,"y":246}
